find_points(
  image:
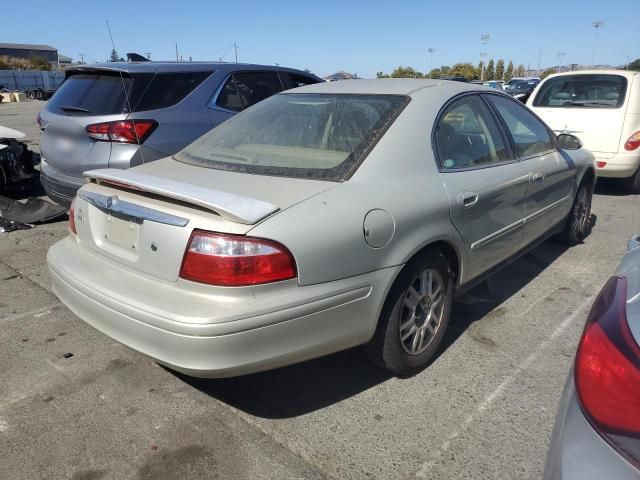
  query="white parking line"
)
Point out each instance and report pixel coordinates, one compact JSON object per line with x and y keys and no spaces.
{"x":37,"y":312}
{"x":423,"y":471}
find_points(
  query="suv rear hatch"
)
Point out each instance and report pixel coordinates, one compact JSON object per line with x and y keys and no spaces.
{"x":92,"y":96}
{"x":590,"y":106}
{"x":144,"y":219}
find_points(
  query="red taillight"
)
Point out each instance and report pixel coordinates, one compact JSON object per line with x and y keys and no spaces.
{"x":633,"y":142}
{"x":39,"y":120}
{"x":123,"y":131}
{"x":601,"y":164}
{"x":235,"y":260}
{"x":72,"y":218}
{"x":607,"y":369}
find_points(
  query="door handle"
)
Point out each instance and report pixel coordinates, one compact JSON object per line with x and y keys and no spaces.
{"x":536,"y":178}
{"x":468,"y":199}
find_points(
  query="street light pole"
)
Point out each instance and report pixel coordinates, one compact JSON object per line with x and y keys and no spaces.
{"x":597,"y":24}
{"x":560,"y":58}
{"x":431,"y":50}
{"x":484,"y":39}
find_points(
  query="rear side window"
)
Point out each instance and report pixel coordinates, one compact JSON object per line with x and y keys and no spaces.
{"x":467,"y":136}
{"x":301,"y":80}
{"x":583,"y":91}
{"x":245,"y":89}
{"x":108,"y":93}
{"x":530,"y":135}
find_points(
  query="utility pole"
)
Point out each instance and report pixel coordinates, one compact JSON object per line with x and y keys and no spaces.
{"x":596,"y":24}
{"x":82,"y":55}
{"x":484,"y":39}
{"x":431,"y":50}
{"x":539,"y":57}
{"x":235,"y":46}
{"x":177,"y":59}
{"x":148,"y":54}
{"x":560,"y":60}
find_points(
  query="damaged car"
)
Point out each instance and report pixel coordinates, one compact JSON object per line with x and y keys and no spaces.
{"x":17,"y":161}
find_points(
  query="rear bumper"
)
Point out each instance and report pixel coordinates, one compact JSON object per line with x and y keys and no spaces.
{"x":59,"y":187}
{"x":577,"y":451}
{"x":619,"y":165}
{"x":213,"y":334}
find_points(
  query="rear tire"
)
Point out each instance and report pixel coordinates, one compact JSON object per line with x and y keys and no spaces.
{"x":415,"y":316}
{"x":632,"y":184}
{"x":578,"y":222}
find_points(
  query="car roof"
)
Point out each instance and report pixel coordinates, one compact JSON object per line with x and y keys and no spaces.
{"x":166,"y":67}
{"x":610,"y":71}
{"x":382,"y":86}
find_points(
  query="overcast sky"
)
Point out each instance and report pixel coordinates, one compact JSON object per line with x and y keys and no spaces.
{"x":328,"y":35}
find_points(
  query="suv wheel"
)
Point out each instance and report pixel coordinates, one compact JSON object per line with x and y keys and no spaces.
{"x":577,"y":226}
{"x":632,"y":184}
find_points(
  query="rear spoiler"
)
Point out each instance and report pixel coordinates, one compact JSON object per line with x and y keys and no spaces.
{"x":236,"y":208}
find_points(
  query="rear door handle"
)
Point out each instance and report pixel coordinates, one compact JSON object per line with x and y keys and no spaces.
{"x":536,"y":178}
{"x":468,"y":199}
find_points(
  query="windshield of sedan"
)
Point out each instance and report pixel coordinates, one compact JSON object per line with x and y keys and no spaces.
{"x":304,"y":135}
{"x":583,"y":91}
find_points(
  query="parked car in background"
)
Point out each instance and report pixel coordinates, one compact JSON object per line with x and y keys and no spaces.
{"x":597,"y":429}
{"x":494,"y":84}
{"x":120,"y":115}
{"x":280,"y":236}
{"x":602,"y":108}
{"x":521,"y":90}
{"x":530,"y":80}
{"x":455,"y":79}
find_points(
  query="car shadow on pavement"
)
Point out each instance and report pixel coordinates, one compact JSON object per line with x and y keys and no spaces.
{"x":309,"y":386}
{"x":610,"y":187}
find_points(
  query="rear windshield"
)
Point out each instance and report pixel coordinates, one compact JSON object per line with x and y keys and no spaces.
{"x":303,"y":135}
{"x":583,"y":91}
{"x":104,"y":93}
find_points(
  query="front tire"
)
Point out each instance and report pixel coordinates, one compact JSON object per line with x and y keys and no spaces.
{"x":578,"y":222}
{"x":415,"y":316}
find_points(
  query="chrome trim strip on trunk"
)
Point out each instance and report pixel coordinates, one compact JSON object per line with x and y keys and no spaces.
{"x":236,"y":208}
{"x":113,"y":204}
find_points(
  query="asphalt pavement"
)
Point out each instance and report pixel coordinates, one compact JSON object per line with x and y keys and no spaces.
{"x":484,"y":409}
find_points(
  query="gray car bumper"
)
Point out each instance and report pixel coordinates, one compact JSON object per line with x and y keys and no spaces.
{"x":577,"y":451}
{"x":59,"y":187}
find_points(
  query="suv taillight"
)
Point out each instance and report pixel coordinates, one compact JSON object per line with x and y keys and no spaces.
{"x":123,"y":131}
{"x":72,"y":217}
{"x":607,"y":371}
{"x":633,"y":142}
{"x":235,"y":260}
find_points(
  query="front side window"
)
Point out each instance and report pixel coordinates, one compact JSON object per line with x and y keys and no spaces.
{"x":304,"y":135}
{"x":583,"y":91}
{"x":530,"y":135}
{"x":467,"y":136}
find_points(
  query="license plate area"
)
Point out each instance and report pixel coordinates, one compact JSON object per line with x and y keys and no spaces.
{"x":122,"y":232}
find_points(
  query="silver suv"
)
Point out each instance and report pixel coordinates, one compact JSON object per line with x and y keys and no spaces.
{"x":120,"y":115}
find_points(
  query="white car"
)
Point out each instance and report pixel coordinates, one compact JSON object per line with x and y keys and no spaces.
{"x":602,"y":108}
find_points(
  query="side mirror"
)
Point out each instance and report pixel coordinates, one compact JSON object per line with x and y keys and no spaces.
{"x":567,"y":141}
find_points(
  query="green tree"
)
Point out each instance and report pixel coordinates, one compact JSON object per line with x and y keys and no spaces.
{"x":635,"y":65}
{"x":500,"y":69}
{"x":406,"y":72}
{"x":508,"y":74}
{"x":490,"y":73}
{"x":466,"y":70}
{"x":114,"y":56}
{"x":547,"y":72}
{"x":38,"y":63}
{"x":381,"y":75}
{"x":435,"y":73}
{"x":520,"y":70}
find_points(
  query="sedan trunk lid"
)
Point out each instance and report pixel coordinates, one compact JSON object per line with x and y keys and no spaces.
{"x":143,"y":217}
